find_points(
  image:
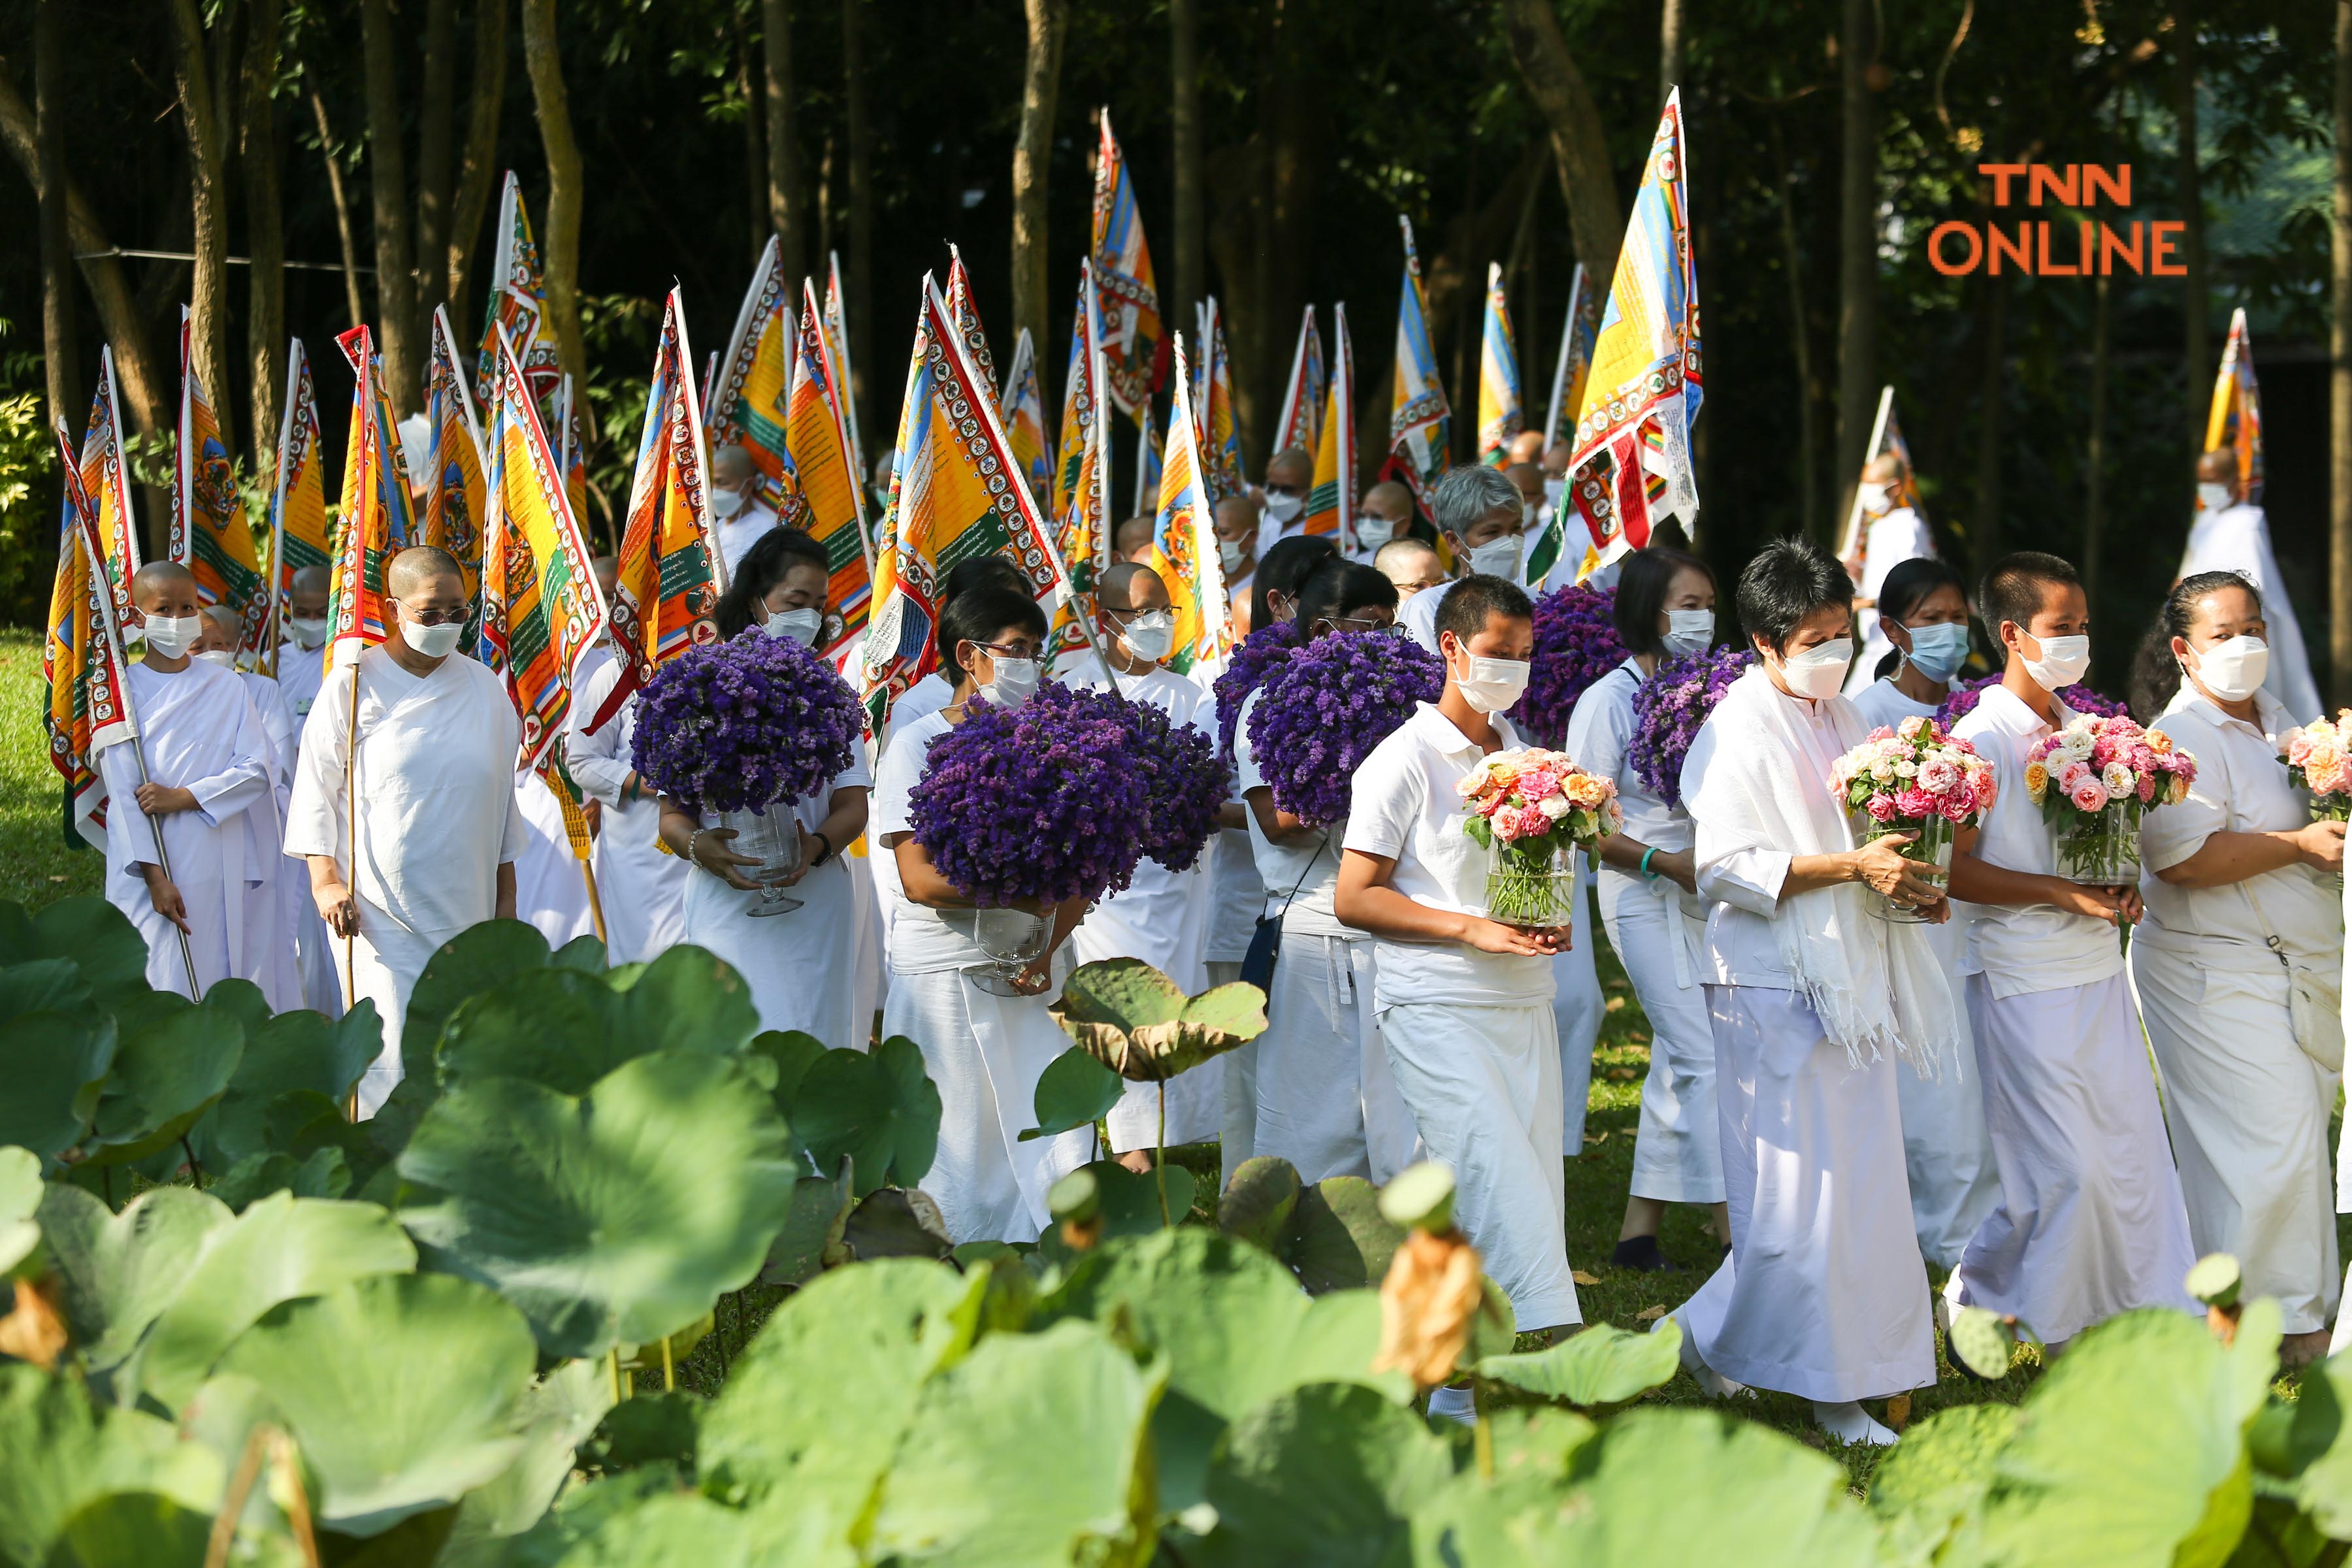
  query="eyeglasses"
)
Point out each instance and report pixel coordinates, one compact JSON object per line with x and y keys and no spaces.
{"x":1357,"y":624}
{"x":1010,"y":650}
{"x":430,"y":617}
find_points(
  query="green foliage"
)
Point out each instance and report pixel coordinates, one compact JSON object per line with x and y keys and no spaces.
{"x":1075,"y":1090}
{"x":1140,"y":1024}
{"x":28,"y":504}
{"x":1601,"y":1366}
{"x":1332,"y":1234}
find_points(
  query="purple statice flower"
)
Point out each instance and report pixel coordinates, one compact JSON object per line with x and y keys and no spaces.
{"x":1576,"y":645}
{"x":2081,"y":698}
{"x":1324,"y":711}
{"x":1668,"y":708}
{"x":1184,"y":783}
{"x":1041,"y":801}
{"x":1260,"y":654}
{"x":743,"y":724}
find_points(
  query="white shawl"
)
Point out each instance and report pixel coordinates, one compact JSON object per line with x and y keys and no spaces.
{"x":1764,"y":784}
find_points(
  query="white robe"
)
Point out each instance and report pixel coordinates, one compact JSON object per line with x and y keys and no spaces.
{"x":642,"y":889}
{"x":1577,"y":1007}
{"x":437,"y":817}
{"x":281,"y":976}
{"x":316,"y":949}
{"x":199,"y":731}
{"x":2237,"y":539}
{"x":1901,"y":535}
{"x":550,"y":893}
{"x":299,"y":671}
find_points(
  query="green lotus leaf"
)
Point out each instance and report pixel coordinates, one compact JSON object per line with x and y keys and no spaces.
{"x":1339,"y":1239}
{"x":1140,"y":1024}
{"x":98,"y":938}
{"x":1534,"y":1448}
{"x":1603,"y":1365}
{"x":1259,"y":1201}
{"x":64,"y":1452}
{"x":241,"y":1000}
{"x":1075,"y":1090}
{"x":324,"y":1175}
{"x":164,"y":1078}
{"x":1237,"y":1009}
{"x":1935,"y":1477}
{"x":298,"y":1050}
{"x":966,"y":1486}
{"x":879,"y":1110}
{"x":585,"y":953}
{"x":118,"y":1272}
{"x":43,"y":986}
{"x":689,"y":999}
{"x":811,"y":1240}
{"x":654,"y":1428}
{"x":553,"y":1418}
{"x":793,"y":1053}
{"x":142,"y":1527}
{"x":1325,"y":1473}
{"x":55,"y":1065}
{"x":896,"y":1222}
{"x":20,"y":1199}
{"x":551,"y":1026}
{"x":1126,"y":994}
{"x":624,"y":1523}
{"x":400,"y":1390}
{"x":280,"y":1249}
{"x":616,"y":1217}
{"x":478,"y":959}
{"x":2311,"y":1441}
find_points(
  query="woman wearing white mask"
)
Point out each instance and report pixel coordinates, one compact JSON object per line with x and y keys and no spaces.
{"x":742,"y":518}
{"x":2242,"y":914}
{"x":800,"y":965}
{"x":1924,"y":616}
{"x":1895,"y":534}
{"x":1483,"y":516}
{"x":1665,"y":608}
{"x":985,"y":1052}
{"x":1811,"y":997}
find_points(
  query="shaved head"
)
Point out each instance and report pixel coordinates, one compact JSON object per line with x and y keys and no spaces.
{"x":418,"y":568}
{"x":1119,"y":589}
{"x":1133,"y":540}
{"x":1530,"y":478}
{"x":225,"y":618}
{"x":608,"y":574}
{"x":2218,"y":467}
{"x":1527,"y":446}
{"x":1292,"y":468}
{"x":1883,"y":470}
{"x":222,"y":631}
{"x":162,"y":576}
{"x":312,"y":580}
{"x":730,"y":466}
{"x":1555,"y":459}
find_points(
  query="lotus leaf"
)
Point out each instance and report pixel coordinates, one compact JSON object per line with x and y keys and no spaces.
{"x":43,"y":986}
{"x":55,"y":1065}
{"x":63,"y":1452}
{"x":793,"y":1053}
{"x":1128,"y":1202}
{"x":324,"y":1175}
{"x":164,"y":1078}
{"x":1325,"y":1474}
{"x":585,"y":953}
{"x":623,"y":1523}
{"x":1140,"y":1024}
{"x":2312,"y":1442}
{"x":1339,"y":1240}
{"x":602,"y":1217}
{"x":879,"y":1110}
{"x":967,"y":1488}
{"x":811,"y":1240}
{"x":20,"y":1197}
{"x":298,"y":1050}
{"x":1075,"y":1090}
{"x":401,"y":1390}
{"x":478,"y":959}
{"x":1534,"y":1448}
{"x":119,"y":1271}
{"x":897,"y":1222}
{"x":146,"y":1527}
{"x":553,"y":1418}
{"x":551,"y":1026}
{"x":1935,"y":1477}
{"x":689,"y":999}
{"x":1259,"y":1201}
{"x":98,"y":938}
{"x":1603,"y":1365}
{"x":649,"y":1429}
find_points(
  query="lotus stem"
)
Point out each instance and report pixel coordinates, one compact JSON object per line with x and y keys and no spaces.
{"x":195,"y":1169}
{"x":1482,"y":1438}
{"x":613,"y":1361}
{"x":669,"y":1367}
{"x":240,"y":1487}
{"x":282,"y":1457}
{"x":1159,"y":1159}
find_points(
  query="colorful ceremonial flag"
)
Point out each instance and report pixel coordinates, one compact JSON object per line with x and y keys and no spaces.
{"x":374,"y":516}
{"x":541,"y":605}
{"x":1147,"y":462}
{"x":1632,"y":460}
{"x":666,"y":587}
{"x":1024,"y":420}
{"x":1082,"y":528}
{"x":832,"y":502}
{"x":1220,"y":433}
{"x":966,"y":316}
{"x":745,"y":405}
{"x":953,"y":495}
{"x":454,"y":488}
{"x":210,"y":535}
{"x":1885,"y":436}
{"x":298,"y":496}
{"x":2236,"y":421}
{"x":1134,"y":346}
{"x":81,"y":655}
{"x":106,"y":477}
{"x":574,"y":453}
{"x":1184,"y":545}
{"x":837,"y":339}
{"x":1420,"y":422}
{"x":518,"y":304}
{"x":1501,"y":415}
{"x":1568,"y":377}
{"x":1331,"y":503}
{"x":1302,"y":395}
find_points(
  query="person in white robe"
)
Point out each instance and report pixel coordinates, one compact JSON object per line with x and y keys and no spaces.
{"x":985,"y":1052}
{"x":1892,"y":535}
{"x":1236,"y":529}
{"x":800,"y":964}
{"x":551,"y":885}
{"x":1325,"y":1098}
{"x":287,"y":894}
{"x":642,"y":889}
{"x":2090,"y":1221}
{"x":1464,"y":1003}
{"x":1290,"y":475}
{"x":2231,"y":533}
{"x":302,"y":664}
{"x":1162,"y":915}
{"x":207,"y":787}
{"x":742,"y":517}
{"x":2243,"y":910}
{"x":1383,"y":516}
{"x":437,"y":828}
{"x":1664,"y":607}
{"x":1923,"y":610}
{"x":1811,"y":997}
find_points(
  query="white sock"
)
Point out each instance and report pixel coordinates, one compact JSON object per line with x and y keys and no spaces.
{"x":1850,"y":1422}
{"x":1454,"y":1404}
{"x":1711,"y":1382}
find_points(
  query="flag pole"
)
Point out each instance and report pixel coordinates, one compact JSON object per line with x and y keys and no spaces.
{"x":279,"y":586}
{"x":1852,"y":538}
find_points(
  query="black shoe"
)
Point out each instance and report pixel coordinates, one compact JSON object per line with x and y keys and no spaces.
{"x":1640,"y":1252}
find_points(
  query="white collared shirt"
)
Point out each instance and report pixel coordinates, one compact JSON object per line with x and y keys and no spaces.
{"x":2020,"y":949}
{"x":1404,"y":807}
{"x":737,"y":535}
{"x":1600,"y":739}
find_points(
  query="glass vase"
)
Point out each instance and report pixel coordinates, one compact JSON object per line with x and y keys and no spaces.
{"x":2102,"y":848}
{"x":1531,"y":884}
{"x":1930,"y":855}
{"x":772,"y":838}
{"x":1013,"y":940}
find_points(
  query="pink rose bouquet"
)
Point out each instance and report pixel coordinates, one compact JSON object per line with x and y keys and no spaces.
{"x":1914,"y":778}
{"x":2319,"y":759}
{"x":2093,"y":780}
{"x":1529,"y":809}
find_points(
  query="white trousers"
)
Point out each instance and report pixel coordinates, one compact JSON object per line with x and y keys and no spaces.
{"x":1576,"y":1009}
{"x":1679,"y":1149}
{"x":1483,"y":1087}
{"x":1325,"y":1100}
{"x":801,"y":964}
{"x":386,"y":961}
{"x":1237,"y":1131}
{"x":2090,"y":1221}
{"x":1823,"y":1295}
{"x":2248,"y":1113}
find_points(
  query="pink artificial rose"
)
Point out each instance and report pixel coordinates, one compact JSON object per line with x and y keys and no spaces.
{"x":1537,"y":783}
{"x":1881,"y":809}
{"x":1530,"y":821}
{"x":2102,"y":753}
{"x":2142,"y":759}
{"x":2087,"y":793}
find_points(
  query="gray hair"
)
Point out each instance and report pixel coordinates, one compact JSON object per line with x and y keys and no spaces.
{"x":1467,"y":495}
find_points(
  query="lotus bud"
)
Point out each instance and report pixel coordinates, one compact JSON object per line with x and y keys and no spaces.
{"x":36,"y":1331}
{"x":2216,"y":1281}
{"x":1420,"y":1198}
{"x":1075,"y":1204}
{"x":1432,"y":1294}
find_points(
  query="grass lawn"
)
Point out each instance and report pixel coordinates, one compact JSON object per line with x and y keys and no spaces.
{"x":35,"y":865}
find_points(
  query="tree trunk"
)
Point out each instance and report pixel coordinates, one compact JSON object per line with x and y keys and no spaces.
{"x":2197,"y":341}
{"x":473,"y":199}
{"x":1857,"y":247}
{"x":2339,"y":377}
{"x":1669,"y":49}
{"x":1815,"y":523}
{"x":265,"y":234}
{"x":786,"y":202}
{"x":201,"y":114}
{"x":1041,"y":81}
{"x":344,"y":234}
{"x":395,"y":276}
{"x":1984,"y":535}
{"x":855,"y":280}
{"x":438,"y":114}
{"x":751,"y":77}
{"x":1596,"y":223}
{"x":1184,"y":107}
{"x":2095,"y":489}
{"x":58,"y":351}
{"x":560,"y":250}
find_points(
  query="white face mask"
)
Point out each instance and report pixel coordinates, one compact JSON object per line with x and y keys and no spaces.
{"x":1015,"y":683}
{"x":1498,"y":558}
{"x":172,"y":636}
{"x":1874,"y":498}
{"x":1688,"y":632}
{"x":1493,"y":684}
{"x":1818,"y":672}
{"x":726,"y":503}
{"x":308,"y":633}
{"x":2215,"y":498}
{"x":1529,"y":513}
{"x":1231,"y":554}
{"x":794,"y":626}
{"x":1283,"y":508}
{"x":1373,"y":531}
{"x":2233,"y":670}
{"x":219,"y":656}
{"x":1554,"y":489}
{"x":1148,"y":636}
{"x":1937,"y":650}
{"x":432,"y":642}
{"x":2062,"y":662}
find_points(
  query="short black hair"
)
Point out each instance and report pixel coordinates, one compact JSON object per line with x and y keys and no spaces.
{"x":771,"y":557}
{"x":1341,"y":587}
{"x":1641,"y":588}
{"x":990,"y":571}
{"x":2013,"y":590}
{"x":1469,"y":604}
{"x":1789,"y":580}
{"x":1286,"y":564}
{"x":1912,"y":581}
{"x":976,"y":615}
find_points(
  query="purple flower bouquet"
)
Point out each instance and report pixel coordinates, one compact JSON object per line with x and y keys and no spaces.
{"x":1041,"y":802}
{"x":2081,"y":698}
{"x":1261,"y":653}
{"x":1184,"y":782}
{"x":1670,"y":706}
{"x":1576,"y":645}
{"x":1324,"y":710}
{"x":742,"y":724}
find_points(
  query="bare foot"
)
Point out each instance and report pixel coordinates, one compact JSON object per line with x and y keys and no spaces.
{"x":1137,"y":1159}
{"x":2302,"y":1349}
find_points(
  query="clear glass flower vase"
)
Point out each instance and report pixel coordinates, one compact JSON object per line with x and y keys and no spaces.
{"x":2103,"y":850}
{"x":1930,"y":855}
{"x":1531,"y":886}
{"x":773,"y":837}
{"x":1013,"y":940}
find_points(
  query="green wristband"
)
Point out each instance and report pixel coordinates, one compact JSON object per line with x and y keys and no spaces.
{"x":1648,"y":875}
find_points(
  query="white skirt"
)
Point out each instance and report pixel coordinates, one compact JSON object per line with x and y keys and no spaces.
{"x":1678,"y":1150}
{"x":2090,"y":1221}
{"x":800,"y":965}
{"x":1944,"y":1152}
{"x":1576,"y":1008}
{"x":549,"y":892}
{"x":1237,"y":1133}
{"x":386,"y":964}
{"x":642,"y":890}
{"x":1483,"y":1087}
{"x":1823,"y":1295}
{"x":2248,"y":1113}
{"x":1325,"y":1100}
